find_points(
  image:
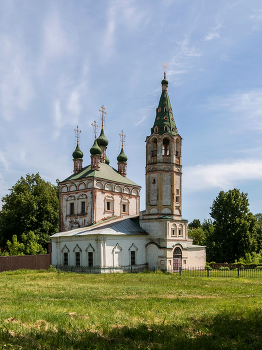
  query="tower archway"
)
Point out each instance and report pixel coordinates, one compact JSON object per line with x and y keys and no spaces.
{"x":177,"y":259}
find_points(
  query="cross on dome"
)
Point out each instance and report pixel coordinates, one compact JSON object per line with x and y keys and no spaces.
{"x":95,"y":127}
{"x":77,"y":134}
{"x":122,"y":138}
{"x":102,"y":110}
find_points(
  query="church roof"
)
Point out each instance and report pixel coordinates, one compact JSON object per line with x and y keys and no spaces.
{"x":117,"y":226}
{"x":106,"y":172}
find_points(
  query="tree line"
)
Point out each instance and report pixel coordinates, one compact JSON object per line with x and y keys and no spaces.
{"x":233,"y":234}
{"x":29,"y":216}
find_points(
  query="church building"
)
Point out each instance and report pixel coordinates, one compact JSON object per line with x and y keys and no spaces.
{"x":101,"y":227}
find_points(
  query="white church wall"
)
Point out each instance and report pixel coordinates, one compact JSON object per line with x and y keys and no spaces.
{"x":112,"y":251}
{"x":196,"y":257}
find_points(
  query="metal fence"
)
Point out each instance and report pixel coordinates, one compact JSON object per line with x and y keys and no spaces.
{"x":247,"y":271}
{"x":98,"y":269}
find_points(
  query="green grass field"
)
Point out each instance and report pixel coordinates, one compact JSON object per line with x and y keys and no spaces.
{"x":50,"y":310}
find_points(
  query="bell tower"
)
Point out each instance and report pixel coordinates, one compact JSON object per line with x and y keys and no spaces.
{"x":162,"y":218}
{"x":164,"y":163}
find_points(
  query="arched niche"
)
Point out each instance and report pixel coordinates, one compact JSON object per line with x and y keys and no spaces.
{"x":99,"y":185}
{"x":81,"y":186}
{"x":108,"y":187}
{"x":72,"y":188}
{"x":64,"y":189}
{"x":166,"y":147}
{"x":118,"y":189}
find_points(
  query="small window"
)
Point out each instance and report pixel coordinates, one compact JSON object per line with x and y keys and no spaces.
{"x":83,"y":207}
{"x":184,"y":262}
{"x":179,"y":232}
{"x":165,"y":109}
{"x":108,"y":205}
{"x":90,"y":259}
{"x":177,"y":199}
{"x":156,"y":130}
{"x":173,"y":232}
{"x":77,"y":258}
{"x":153,"y":181}
{"x":166,"y":128}
{"x":177,"y":192}
{"x":133,"y":257}
{"x":124,"y":208}
{"x":66,"y":259}
{"x":72,"y":209}
{"x":159,"y":109}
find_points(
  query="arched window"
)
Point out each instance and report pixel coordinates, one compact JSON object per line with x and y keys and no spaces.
{"x":154,"y":147}
{"x":165,"y":109}
{"x":177,"y":253}
{"x":178,"y":148}
{"x":165,"y":149}
{"x":156,"y":130}
{"x":166,"y":128}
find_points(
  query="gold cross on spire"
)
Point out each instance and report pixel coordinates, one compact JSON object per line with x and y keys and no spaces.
{"x":165,"y":66}
{"x":95,"y":127}
{"x":122,"y":138}
{"x":102,"y":110}
{"x":77,"y":132}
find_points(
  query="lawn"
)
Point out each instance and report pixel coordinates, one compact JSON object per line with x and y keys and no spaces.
{"x":50,"y":310}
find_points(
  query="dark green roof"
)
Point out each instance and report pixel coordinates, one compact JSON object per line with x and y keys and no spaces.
{"x":77,"y":154}
{"x":122,"y":158}
{"x":102,"y":140}
{"x":164,"y":114}
{"x":95,"y":150}
{"x":106,"y":172}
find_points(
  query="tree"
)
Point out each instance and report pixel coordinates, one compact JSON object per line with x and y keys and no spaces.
{"x":198,"y":235}
{"x":195,"y":224}
{"x":234,"y":227}
{"x":31,"y":207}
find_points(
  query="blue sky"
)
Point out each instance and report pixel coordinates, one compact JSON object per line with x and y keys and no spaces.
{"x":61,"y":60}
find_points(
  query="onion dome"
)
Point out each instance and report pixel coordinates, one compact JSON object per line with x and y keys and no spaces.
{"x":102,"y":140}
{"x":77,"y":154}
{"x":95,"y":150}
{"x":107,"y":161}
{"x":122,"y":158}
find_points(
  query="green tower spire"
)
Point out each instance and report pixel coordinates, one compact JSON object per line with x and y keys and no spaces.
{"x":164,"y":121}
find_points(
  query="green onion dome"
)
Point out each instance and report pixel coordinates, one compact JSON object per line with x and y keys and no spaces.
{"x":102,"y":140}
{"x":107,"y":161}
{"x":95,"y":150}
{"x":122,"y":158}
{"x":77,"y":154}
{"x":164,"y":81}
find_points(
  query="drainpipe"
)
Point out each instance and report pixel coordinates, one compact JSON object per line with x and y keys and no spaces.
{"x":93,"y":199}
{"x":59,"y":214}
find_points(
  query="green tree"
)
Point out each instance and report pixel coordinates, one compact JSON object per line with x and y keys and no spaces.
{"x":31,"y":206}
{"x":195,"y":224}
{"x":198,"y":235}
{"x":14,"y":247}
{"x":259,"y":231}
{"x":234,"y":227}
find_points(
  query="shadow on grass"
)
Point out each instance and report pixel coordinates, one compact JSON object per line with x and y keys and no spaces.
{"x":227,"y":330}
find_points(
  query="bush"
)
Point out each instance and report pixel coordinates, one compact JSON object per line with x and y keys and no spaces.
{"x":224,"y":268}
{"x":259,"y":268}
{"x":52,"y":269}
{"x":159,"y":271}
{"x":208,"y":267}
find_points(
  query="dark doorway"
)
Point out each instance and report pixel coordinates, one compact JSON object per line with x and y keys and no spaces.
{"x":177,"y":259}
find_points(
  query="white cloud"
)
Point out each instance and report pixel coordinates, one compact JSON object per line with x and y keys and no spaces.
{"x":245,"y":108}
{"x":143,"y":113}
{"x":15,"y":85}
{"x":257,"y":15}
{"x":183,"y":58}
{"x":222,"y":176}
{"x":211,"y":36}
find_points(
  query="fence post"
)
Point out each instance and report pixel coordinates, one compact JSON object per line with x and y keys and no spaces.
{"x":180,"y":270}
{"x":207,"y":272}
{"x":238,"y":271}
